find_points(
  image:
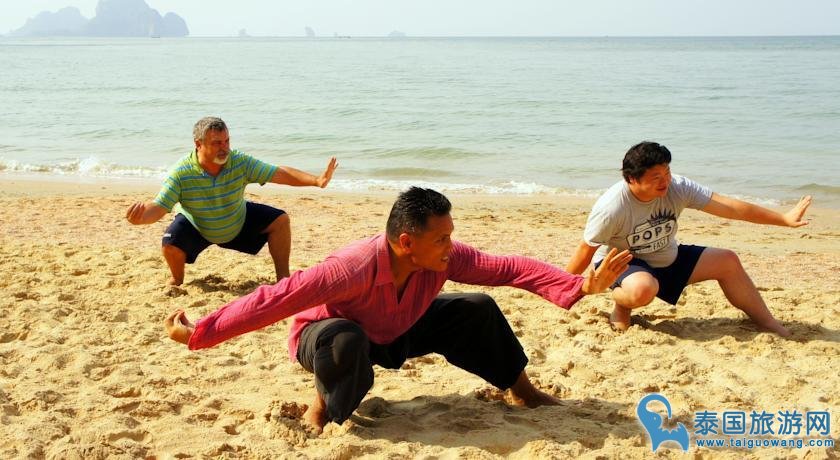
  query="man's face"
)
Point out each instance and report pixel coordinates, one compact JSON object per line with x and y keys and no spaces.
{"x":215,"y":147}
{"x":654,"y":183}
{"x":430,"y":250}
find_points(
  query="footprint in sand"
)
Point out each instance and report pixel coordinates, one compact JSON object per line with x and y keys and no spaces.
{"x":174,"y":291}
{"x":283,"y":409}
{"x":8,"y":408}
{"x":232,"y":420}
{"x":521,"y":421}
{"x":284,"y":420}
{"x":203,"y":418}
{"x":96,"y":371}
{"x":26,"y":295}
{"x":43,"y":400}
{"x":149,"y":409}
{"x":12,"y":336}
{"x":375,"y":407}
{"x":225,"y":449}
{"x":134,"y":435}
{"x":120,"y":391}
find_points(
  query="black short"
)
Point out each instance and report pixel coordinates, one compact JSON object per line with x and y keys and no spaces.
{"x":250,"y":239}
{"x":673,"y":278}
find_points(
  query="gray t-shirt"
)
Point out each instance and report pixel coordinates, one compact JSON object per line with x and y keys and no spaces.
{"x":649,"y":230}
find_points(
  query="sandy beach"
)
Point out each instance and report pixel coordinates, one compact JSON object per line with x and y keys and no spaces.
{"x":86,"y":369}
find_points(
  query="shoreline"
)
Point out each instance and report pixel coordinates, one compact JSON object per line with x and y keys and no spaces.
{"x":40,"y":185}
{"x":379,"y":186}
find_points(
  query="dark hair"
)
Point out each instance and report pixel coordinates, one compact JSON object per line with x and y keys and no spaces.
{"x":642,"y":157}
{"x":412,"y":210}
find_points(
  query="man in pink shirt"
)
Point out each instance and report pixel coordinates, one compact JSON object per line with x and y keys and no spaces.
{"x":377,"y":301}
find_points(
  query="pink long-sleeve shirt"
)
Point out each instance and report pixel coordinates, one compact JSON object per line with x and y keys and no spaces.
{"x":356,"y":283}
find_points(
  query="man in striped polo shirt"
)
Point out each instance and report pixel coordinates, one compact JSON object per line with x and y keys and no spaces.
{"x":207,"y":190}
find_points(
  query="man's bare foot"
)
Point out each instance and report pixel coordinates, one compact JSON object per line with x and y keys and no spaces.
{"x":173,"y":282}
{"x":535,"y":399}
{"x":315,"y":417}
{"x":775,"y":327}
{"x":620,"y":318}
{"x":524,"y":393}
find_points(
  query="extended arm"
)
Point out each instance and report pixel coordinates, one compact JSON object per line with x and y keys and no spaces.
{"x":326,"y":282}
{"x":144,"y":213}
{"x":581,"y":258}
{"x":287,"y":175}
{"x":468,"y":265}
{"x":730,"y":208}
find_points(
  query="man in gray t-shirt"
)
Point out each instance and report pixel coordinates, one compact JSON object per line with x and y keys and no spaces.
{"x":640,"y":214}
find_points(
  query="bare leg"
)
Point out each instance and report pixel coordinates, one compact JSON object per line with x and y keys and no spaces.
{"x":175,"y":258}
{"x":315,"y":417}
{"x":524,"y":393}
{"x":280,"y":245}
{"x":724,"y":266}
{"x":637,"y":290}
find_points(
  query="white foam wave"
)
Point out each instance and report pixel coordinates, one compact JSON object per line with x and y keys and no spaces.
{"x":86,"y":167}
{"x":501,"y":188}
{"x":92,"y":167}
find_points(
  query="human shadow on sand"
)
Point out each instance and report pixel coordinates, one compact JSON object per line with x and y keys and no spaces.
{"x":215,"y":283}
{"x":457,"y":420}
{"x":743,"y":330}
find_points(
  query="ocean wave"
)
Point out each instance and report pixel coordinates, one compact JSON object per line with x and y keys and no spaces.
{"x":820,"y":188}
{"x":501,"y":188}
{"x":87,"y":167}
{"x":426,"y":153}
{"x":395,"y":179}
{"x":110,"y":133}
{"x":408,"y":172}
{"x":94,"y":168}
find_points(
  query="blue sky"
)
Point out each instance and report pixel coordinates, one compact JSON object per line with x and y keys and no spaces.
{"x":478,"y":18}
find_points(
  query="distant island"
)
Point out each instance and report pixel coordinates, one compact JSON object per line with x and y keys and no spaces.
{"x":114,"y":18}
{"x":396,"y":34}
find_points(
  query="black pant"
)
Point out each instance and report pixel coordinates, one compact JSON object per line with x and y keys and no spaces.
{"x":469,"y":330}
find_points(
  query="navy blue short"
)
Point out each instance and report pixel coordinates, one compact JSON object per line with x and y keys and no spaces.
{"x":250,"y":239}
{"x":673,"y":278}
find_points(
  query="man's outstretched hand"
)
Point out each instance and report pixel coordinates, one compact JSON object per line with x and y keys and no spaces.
{"x":326,"y":176}
{"x":793,"y":218}
{"x":611,"y":267}
{"x":179,"y":327}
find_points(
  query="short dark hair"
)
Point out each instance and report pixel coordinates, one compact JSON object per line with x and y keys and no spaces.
{"x":412,"y":210}
{"x":642,"y":157}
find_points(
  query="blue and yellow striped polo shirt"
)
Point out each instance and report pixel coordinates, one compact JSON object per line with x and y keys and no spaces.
{"x":214,"y":205}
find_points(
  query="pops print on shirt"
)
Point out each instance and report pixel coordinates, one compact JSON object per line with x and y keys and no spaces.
{"x":653,"y":235}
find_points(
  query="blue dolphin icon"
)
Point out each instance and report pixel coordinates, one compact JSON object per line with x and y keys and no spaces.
{"x":653,"y":423}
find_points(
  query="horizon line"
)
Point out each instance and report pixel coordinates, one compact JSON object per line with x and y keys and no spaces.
{"x":346,"y":36}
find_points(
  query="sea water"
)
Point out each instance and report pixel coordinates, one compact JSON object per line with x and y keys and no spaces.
{"x":753,"y":117}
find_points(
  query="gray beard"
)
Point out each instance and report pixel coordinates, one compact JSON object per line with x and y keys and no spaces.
{"x":221,"y":162}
